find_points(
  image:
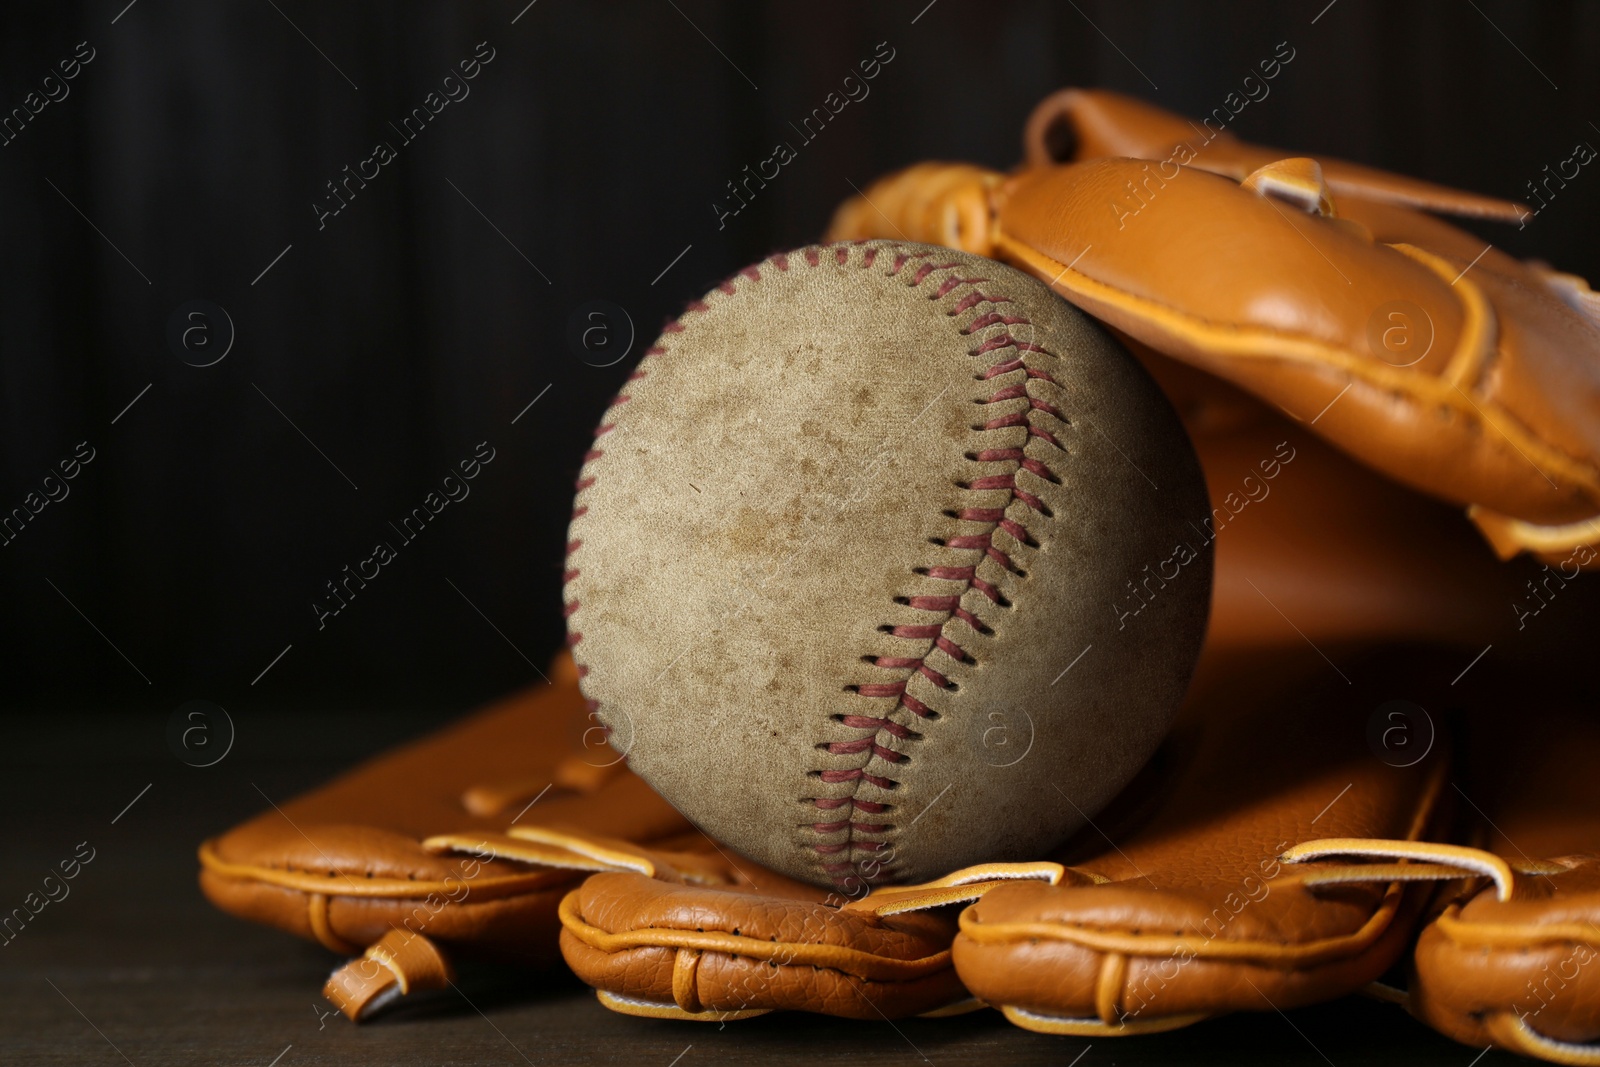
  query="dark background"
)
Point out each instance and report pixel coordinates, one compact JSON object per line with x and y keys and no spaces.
{"x":429,"y":313}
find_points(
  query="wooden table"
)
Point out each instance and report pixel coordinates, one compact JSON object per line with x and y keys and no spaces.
{"x":135,"y":967}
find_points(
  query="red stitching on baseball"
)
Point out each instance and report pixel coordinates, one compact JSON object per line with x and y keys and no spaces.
{"x":1005,"y":340}
{"x":1016,"y":364}
{"x":1016,"y":352}
{"x":994,"y":318}
{"x":972,"y":300}
{"x":952,"y":283}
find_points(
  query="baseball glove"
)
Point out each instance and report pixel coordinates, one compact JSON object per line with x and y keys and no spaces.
{"x":1490,"y":404}
{"x":1411,"y":345}
{"x":659,"y":947}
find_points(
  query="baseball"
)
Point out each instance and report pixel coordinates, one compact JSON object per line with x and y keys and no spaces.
{"x":863,"y":567}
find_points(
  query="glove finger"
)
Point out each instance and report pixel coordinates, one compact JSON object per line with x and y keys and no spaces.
{"x":668,"y":950}
{"x":1487,"y":402}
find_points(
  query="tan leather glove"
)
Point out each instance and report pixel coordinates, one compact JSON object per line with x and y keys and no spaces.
{"x":1411,"y":345}
{"x":1505,"y":955}
{"x":463,"y":845}
{"x":1305,"y":540}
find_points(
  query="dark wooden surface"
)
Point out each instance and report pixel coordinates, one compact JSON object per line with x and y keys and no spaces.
{"x":135,"y":967}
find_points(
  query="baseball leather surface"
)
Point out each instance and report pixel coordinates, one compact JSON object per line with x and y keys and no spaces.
{"x":879,"y":564}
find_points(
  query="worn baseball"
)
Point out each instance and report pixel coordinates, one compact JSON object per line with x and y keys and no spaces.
{"x":873,"y":568}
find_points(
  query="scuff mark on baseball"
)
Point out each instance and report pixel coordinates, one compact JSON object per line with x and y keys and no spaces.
{"x":854,"y":502}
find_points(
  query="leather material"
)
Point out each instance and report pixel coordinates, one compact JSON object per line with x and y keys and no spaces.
{"x":397,"y":965}
{"x":1520,"y":969}
{"x":1182,"y":873}
{"x":350,"y":862}
{"x":433,"y":853}
{"x":1414,"y":347}
{"x":1304,"y":541}
{"x":853,"y":502}
{"x":1076,"y":124}
{"x":1465,"y":421}
{"x":1186,"y":908}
